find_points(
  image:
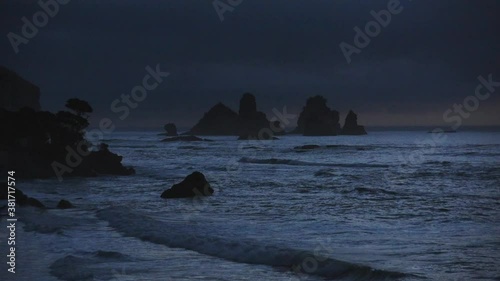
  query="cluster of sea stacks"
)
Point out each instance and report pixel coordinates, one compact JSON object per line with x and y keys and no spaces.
{"x":220,"y":120}
{"x":316,"y":119}
{"x":38,"y":139}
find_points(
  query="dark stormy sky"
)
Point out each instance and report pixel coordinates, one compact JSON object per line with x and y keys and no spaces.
{"x":427,"y":58}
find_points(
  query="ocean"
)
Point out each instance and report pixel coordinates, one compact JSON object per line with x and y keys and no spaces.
{"x":391,"y":205}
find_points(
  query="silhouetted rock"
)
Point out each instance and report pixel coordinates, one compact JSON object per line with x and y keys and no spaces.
{"x":308,"y":146}
{"x":16,"y":92}
{"x":21,"y":198}
{"x":35,"y":203}
{"x":193,"y":185}
{"x":277,"y":128}
{"x":41,"y":144}
{"x":253,"y":124}
{"x":351,"y":126}
{"x":105,"y":162}
{"x":317,"y":119}
{"x":219,"y":120}
{"x":64,"y":204}
{"x":184,"y":138}
{"x":248,"y":124}
{"x":248,"y":106}
{"x":171,"y":130}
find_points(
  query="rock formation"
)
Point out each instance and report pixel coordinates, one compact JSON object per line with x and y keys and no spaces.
{"x":351,"y":126}
{"x":247,"y":123}
{"x":170,"y":130}
{"x":21,"y":198}
{"x":192,"y":186}
{"x":251,"y":121}
{"x":219,"y":120}
{"x":316,"y":119}
{"x":40,"y":143}
{"x":64,"y":204}
{"x":105,"y":162}
{"x":16,"y":92}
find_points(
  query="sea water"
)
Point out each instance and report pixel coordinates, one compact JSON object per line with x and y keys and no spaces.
{"x":391,"y":205}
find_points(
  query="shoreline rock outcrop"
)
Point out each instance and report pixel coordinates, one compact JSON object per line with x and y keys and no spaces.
{"x":42,"y":144}
{"x":193,"y":185}
{"x":21,"y":198}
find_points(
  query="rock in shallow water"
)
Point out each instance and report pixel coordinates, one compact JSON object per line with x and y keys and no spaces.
{"x":21,"y":198}
{"x":193,"y":185}
{"x":64,"y":204}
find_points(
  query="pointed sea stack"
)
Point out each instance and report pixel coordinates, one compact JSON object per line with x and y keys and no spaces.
{"x":220,"y":120}
{"x":317,"y":119}
{"x":351,"y":126}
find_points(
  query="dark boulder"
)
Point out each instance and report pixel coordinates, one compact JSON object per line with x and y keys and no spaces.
{"x":64,"y":204}
{"x":170,"y":130}
{"x":192,"y":186}
{"x":219,"y":120}
{"x":21,"y":198}
{"x":184,"y":138}
{"x":317,"y":119}
{"x":351,"y":126}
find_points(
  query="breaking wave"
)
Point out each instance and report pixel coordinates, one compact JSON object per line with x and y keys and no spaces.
{"x":249,"y":252}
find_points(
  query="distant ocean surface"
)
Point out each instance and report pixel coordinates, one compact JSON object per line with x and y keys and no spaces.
{"x":356,"y":208}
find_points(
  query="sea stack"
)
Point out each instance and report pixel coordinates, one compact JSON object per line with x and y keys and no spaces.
{"x":351,"y":126}
{"x":219,"y":120}
{"x":170,"y":130}
{"x":250,"y":120}
{"x":317,"y":119}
